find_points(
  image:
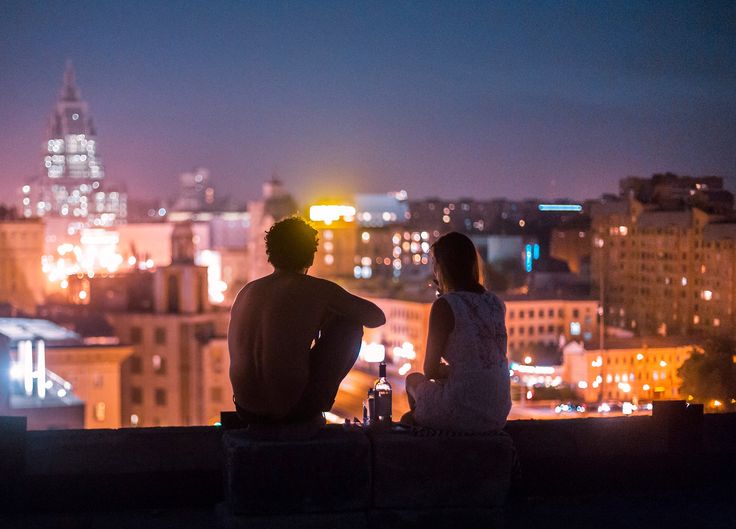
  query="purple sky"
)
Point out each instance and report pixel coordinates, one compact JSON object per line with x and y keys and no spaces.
{"x":449,"y":98}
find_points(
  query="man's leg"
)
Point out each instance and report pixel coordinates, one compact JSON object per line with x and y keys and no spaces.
{"x":330,"y":360}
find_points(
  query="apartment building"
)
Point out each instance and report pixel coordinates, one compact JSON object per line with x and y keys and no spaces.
{"x":664,"y":272}
{"x":627,"y":369}
{"x":166,"y":381}
{"x":533,"y":323}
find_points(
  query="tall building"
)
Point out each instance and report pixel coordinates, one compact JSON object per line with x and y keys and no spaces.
{"x":665,"y":271}
{"x":195,"y":191}
{"x":72,"y":182}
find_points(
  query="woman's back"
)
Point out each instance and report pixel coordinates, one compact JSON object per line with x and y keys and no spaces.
{"x":476,"y":394}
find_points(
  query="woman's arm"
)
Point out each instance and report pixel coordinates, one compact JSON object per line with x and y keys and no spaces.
{"x":441,"y":324}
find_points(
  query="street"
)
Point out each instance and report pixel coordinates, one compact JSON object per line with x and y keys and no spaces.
{"x":354,"y":389}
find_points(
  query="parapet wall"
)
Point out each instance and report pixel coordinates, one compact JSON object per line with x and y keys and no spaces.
{"x":107,"y":470}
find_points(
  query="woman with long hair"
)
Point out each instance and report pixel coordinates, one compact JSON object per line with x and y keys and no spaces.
{"x":465,"y":385}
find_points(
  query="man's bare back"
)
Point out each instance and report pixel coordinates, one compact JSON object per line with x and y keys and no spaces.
{"x":274,"y":323}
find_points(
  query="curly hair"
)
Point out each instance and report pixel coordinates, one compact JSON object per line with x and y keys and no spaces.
{"x":291,"y":244}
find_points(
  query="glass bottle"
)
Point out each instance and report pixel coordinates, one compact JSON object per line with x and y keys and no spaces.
{"x":383,"y":395}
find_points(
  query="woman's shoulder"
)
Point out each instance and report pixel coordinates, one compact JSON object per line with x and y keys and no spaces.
{"x":495,"y":301}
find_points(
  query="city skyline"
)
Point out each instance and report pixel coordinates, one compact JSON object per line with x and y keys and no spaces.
{"x":439,"y":100}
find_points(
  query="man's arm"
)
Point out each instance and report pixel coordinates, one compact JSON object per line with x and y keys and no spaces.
{"x":234,"y":336}
{"x":353,"y":307}
{"x":441,"y":324}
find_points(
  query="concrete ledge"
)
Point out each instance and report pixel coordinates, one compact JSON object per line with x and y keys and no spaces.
{"x":12,"y":461}
{"x":349,"y":479}
{"x":103,"y":469}
{"x":439,"y":518}
{"x":433,"y":472}
{"x":328,"y":473}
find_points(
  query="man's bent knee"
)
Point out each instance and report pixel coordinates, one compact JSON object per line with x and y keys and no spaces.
{"x":413,"y":380}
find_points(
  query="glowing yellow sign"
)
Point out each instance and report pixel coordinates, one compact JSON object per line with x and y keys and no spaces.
{"x":331,"y":213}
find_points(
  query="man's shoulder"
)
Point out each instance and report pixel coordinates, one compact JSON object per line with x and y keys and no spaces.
{"x":322,"y":284}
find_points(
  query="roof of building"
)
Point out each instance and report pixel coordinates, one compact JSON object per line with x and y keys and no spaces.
{"x":663,"y":219}
{"x":639,"y":342}
{"x":609,"y":207}
{"x":17,"y":329}
{"x":545,"y":296}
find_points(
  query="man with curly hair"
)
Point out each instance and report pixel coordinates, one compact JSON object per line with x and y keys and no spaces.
{"x":293,"y":337}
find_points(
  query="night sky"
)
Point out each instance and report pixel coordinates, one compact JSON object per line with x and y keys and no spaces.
{"x":441,"y":99}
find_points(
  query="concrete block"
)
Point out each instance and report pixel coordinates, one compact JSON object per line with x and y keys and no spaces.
{"x":12,"y":461}
{"x":432,"y":472}
{"x":131,"y":467}
{"x":330,"y":472}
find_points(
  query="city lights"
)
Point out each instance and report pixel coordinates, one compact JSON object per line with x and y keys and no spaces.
{"x":331,"y":213}
{"x":593,"y":302}
{"x":560,"y":207}
{"x":372,"y":352}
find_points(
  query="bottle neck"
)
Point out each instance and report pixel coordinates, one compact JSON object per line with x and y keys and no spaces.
{"x":382,"y":370}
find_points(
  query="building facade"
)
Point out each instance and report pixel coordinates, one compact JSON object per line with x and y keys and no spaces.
{"x":94,"y":371}
{"x":168,"y":379}
{"x":72,"y":183}
{"x":536,"y":328}
{"x":626,"y":369}
{"x":664,"y":272}
{"x":22,"y":282}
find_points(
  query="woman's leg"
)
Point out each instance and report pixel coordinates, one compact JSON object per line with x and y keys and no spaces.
{"x":413,"y":380}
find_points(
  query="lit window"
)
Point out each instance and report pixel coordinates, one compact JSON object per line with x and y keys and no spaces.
{"x":575,"y":328}
{"x":134,"y":419}
{"x":100,"y":411}
{"x":159,"y":364}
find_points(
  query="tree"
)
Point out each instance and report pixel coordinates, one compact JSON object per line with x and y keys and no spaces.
{"x":709,"y":375}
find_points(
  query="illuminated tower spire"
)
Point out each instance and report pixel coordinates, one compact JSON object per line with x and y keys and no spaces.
{"x":69,"y":92}
{"x":73,"y":173}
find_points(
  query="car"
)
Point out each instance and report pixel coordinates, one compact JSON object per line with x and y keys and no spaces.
{"x":608,"y":407}
{"x":570,"y":407}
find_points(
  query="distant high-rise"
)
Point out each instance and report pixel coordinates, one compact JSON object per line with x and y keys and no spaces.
{"x":71,"y":185}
